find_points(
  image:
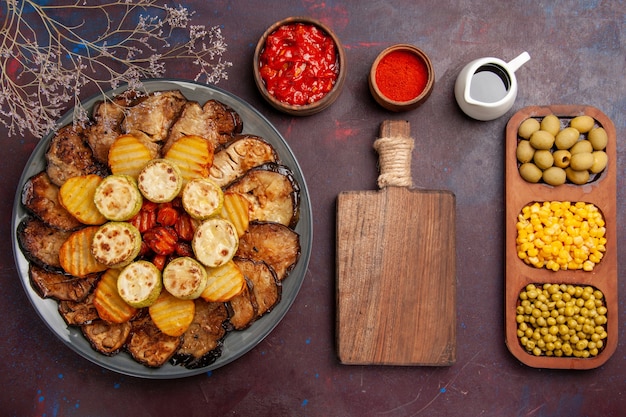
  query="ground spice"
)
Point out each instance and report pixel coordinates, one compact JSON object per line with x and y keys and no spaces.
{"x":401,"y":76}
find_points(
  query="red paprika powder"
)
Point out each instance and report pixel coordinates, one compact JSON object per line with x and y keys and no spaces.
{"x":401,"y":75}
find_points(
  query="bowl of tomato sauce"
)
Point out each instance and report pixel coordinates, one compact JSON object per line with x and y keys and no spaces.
{"x":299,"y":66}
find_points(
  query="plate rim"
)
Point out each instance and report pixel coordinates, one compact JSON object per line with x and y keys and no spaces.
{"x":293,"y":283}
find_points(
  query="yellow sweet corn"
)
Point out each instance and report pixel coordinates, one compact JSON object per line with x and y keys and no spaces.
{"x":560,"y":235}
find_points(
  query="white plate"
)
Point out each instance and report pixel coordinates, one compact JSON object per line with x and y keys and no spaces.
{"x":236,"y":343}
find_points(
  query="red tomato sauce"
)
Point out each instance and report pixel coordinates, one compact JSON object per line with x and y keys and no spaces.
{"x":299,"y":64}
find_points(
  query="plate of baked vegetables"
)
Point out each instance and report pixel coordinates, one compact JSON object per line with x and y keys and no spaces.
{"x":168,"y":236}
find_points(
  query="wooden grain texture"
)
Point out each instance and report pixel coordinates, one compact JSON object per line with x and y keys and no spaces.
{"x":396,"y":277}
{"x":602,"y":193}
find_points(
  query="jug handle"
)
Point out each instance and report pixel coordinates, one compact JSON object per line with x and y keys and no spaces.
{"x":517,"y":62}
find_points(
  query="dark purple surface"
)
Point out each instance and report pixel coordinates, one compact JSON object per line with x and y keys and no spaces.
{"x":578,"y":56}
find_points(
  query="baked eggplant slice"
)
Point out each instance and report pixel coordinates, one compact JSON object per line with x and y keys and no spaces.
{"x":41,"y":198}
{"x":60,"y":286}
{"x":106,"y":127}
{"x":69,"y":156}
{"x":79,"y":313}
{"x":266,"y":287}
{"x":40,"y":243}
{"x":240,"y":155}
{"x":148,"y":345}
{"x":106,"y":338}
{"x":202,"y":341}
{"x":273,"y":193}
{"x":151,"y":119}
{"x":227,"y":120}
{"x":242,"y":308}
{"x":273,"y":243}
{"x":193,"y":121}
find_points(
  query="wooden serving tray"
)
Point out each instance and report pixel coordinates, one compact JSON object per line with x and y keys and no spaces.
{"x":602,"y":193}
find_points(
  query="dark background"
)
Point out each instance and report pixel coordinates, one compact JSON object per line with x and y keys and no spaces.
{"x":577,"y":50}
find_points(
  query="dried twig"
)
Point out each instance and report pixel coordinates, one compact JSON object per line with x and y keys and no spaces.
{"x":48,"y":53}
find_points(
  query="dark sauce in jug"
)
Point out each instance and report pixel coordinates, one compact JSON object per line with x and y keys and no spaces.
{"x":489,"y":84}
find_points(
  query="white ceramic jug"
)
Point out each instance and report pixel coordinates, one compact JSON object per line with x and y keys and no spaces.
{"x":486,"y":88}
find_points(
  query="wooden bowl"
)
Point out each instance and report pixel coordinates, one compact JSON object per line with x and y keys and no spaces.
{"x":420,"y":96}
{"x":602,"y":193}
{"x":304,"y":109}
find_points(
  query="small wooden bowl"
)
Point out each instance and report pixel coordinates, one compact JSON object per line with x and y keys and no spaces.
{"x":414,"y":102}
{"x":307,"y":109}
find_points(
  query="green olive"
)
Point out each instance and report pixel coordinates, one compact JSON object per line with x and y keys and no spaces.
{"x":582,"y":123}
{"x":581,"y":161}
{"x":543,"y":159}
{"x":566,"y":138}
{"x":528,"y":127}
{"x":562,"y":158}
{"x":598,"y":138}
{"x":530,"y":172}
{"x":581,"y":146}
{"x":551,"y":123}
{"x":542,"y":139}
{"x":600,"y":160}
{"x":524,"y":151}
{"x":554,"y":176}
{"x":577,"y":177}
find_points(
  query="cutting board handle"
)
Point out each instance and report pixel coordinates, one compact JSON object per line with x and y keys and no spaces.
{"x":395,"y":148}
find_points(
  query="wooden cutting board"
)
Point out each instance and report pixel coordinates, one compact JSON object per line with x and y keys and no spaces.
{"x":396,"y":271}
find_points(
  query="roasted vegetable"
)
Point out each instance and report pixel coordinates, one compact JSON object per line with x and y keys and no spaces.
{"x":77,"y":196}
{"x":172,"y":315}
{"x":226,"y":119}
{"x":202,"y":341}
{"x":193,"y":121}
{"x":60,"y":286}
{"x":265,"y":286}
{"x":111,"y":307}
{"x":78,"y":313}
{"x":41,"y":198}
{"x":273,"y":193}
{"x":202,"y":198}
{"x":118,"y":198}
{"x":75,"y":254}
{"x":151,"y":119}
{"x":139,"y":284}
{"x":68,"y":156}
{"x":273,"y":243}
{"x":150,"y":346}
{"x":106,"y":338}
{"x":40,"y":243}
{"x":185,"y":278}
{"x":223,"y":283}
{"x":193,"y":155}
{"x":239,"y":156}
{"x":242,"y":308}
{"x":215,"y":242}
{"x":128,"y":155}
{"x":116,"y":244}
{"x":236,"y":209}
{"x":160,"y":181}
